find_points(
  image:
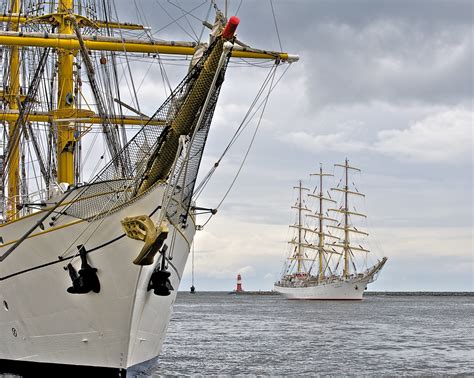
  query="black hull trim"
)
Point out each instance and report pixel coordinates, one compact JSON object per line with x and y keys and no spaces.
{"x":42,"y":369}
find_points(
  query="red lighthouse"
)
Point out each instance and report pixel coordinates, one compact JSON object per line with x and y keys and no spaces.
{"x":239,"y":284}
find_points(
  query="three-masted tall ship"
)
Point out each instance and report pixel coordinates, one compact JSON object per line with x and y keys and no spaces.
{"x":89,"y":269}
{"x":322,"y":262}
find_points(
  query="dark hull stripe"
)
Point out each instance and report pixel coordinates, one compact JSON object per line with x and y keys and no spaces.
{"x":324,"y":299}
{"x":42,"y":369}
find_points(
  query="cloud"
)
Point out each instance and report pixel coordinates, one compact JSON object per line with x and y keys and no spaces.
{"x":233,"y":246}
{"x":443,"y":137}
{"x":341,"y":141}
{"x":390,"y":61}
{"x":417,"y":255}
{"x":248,"y":271}
{"x":270,"y":277}
{"x":409,"y":51}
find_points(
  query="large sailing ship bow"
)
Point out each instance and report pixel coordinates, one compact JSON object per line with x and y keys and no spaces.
{"x":61,"y":63}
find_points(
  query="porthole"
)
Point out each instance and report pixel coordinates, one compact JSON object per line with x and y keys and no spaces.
{"x":5,"y":305}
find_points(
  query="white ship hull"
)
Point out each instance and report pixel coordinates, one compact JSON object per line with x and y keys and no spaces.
{"x":339,"y":290}
{"x":351,"y":288}
{"x":123,"y":325}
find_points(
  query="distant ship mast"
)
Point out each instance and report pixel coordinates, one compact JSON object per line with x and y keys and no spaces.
{"x":348,"y":228}
{"x":320,"y":216}
{"x":299,"y":257}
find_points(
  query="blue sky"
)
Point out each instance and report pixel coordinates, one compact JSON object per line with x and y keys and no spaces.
{"x":388,"y":85}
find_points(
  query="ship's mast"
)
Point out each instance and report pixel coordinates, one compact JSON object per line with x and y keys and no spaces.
{"x":346,"y":245}
{"x":299,"y":228}
{"x":300,"y":245}
{"x":321,"y":218}
{"x":346,"y":222}
{"x":13,"y":97}
{"x":321,"y":236}
{"x":66,"y":141}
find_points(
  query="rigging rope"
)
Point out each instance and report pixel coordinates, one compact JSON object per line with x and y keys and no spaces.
{"x":194,"y":38}
{"x":276,"y":25}
{"x":204,"y":23}
{"x":179,"y":18}
{"x":25,"y":110}
{"x":237,"y":133}
{"x":137,"y":103}
{"x":192,"y":267}
{"x":248,"y":149}
{"x":238,"y":8}
{"x":186,"y":18}
{"x":111,"y":135}
{"x":245,"y":122}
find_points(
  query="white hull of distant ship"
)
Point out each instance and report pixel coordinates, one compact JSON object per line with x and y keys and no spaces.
{"x":332,"y":288}
{"x":312,"y":270}
{"x":89,"y":278}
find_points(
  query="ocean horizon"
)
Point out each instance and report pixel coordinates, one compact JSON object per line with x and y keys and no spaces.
{"x":367,"y":292}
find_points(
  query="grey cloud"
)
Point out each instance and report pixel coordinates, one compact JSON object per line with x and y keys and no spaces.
{"x":356,"y":51}
{"x":390,"y":62}
{"x":442,"y":137}
{"x":297,"y":20}
{"x":363,"y":51}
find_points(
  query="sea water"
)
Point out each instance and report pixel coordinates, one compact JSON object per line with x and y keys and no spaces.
{"x":222,"y":334}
